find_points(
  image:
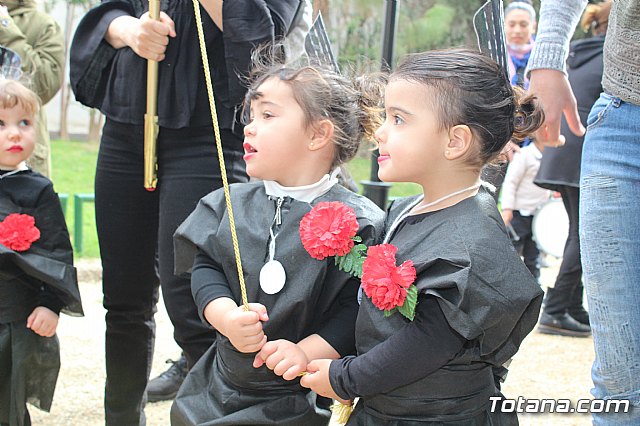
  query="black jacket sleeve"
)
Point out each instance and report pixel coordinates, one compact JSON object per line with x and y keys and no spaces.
{"x":208,"y":282}
{"x":90,"y":54}
{"x":420,"y":348}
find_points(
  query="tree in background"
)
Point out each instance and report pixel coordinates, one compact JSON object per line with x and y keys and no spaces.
{"x":355,"y":26}
{"x":74,"y":11}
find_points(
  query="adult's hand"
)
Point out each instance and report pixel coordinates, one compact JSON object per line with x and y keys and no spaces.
{"x":554,"y":92}
{"x":147,"y":37}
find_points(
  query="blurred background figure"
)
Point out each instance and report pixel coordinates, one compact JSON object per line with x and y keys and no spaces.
{"x":39,"y":41}
{"x":520,"y":200}
{"x":563,"y":312}
{"x":520,"y":28}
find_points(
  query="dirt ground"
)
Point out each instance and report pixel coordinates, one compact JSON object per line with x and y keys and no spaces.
{"x":545,"y":367}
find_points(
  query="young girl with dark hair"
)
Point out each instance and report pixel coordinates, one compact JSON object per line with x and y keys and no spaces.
{"x":448,"y":113}
{"x":303,"y":123}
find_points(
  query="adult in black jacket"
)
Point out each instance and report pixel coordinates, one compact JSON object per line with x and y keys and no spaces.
{"x":563,"y":312}
{"x":135,"y":227}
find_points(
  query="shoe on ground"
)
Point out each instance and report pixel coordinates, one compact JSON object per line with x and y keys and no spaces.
{"x":166,"y":385}
{"x":580,"y":315}
{"x":562,"y":325}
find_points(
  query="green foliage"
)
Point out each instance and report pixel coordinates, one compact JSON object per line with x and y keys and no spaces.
{"x":73,"y":165}
{"x":351,"y":263}
{"x":408,"y":308}
{"x":356,"y":28}
{"x":431,"y":31}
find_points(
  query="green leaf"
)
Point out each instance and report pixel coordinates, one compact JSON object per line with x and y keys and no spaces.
{"x":343,"y":260}
{"x":408,"y":308}
{"x":361,"y":249}
{"x":348,"y":263}
{"x":357,"y":267}
{"x":389,"y":312}
{"x":357,"y":239}
{"x":357,"y":272}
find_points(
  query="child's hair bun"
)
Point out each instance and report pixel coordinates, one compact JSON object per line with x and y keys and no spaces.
{"x":529,"y":115}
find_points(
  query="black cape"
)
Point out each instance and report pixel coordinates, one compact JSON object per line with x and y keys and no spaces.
{"x":223,"y":388}
{"x":462,"y":256}
{"x":30,"y":361}
{"x":50,"y":259}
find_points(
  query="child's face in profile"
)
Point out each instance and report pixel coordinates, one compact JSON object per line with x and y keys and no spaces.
{"x":276,"y":138}
{"x":411,"y":143}
{"x":17,"y":136}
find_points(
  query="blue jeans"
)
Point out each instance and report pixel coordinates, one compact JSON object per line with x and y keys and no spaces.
{"x":610,"y":245}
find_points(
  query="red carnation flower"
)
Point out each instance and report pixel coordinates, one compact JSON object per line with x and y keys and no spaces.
{"x":18,"y":231}
{"x":384,"y":282}
{"x":328,"y":229}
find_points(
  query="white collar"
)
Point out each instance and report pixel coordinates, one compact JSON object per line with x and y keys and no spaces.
{"x":20,"y":168}
{"x":537,"y":154}
{"x":305,"y":193}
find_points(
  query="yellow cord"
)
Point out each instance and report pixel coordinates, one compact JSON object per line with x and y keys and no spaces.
{"x":341,"y":412}
{"x":223,"y":169}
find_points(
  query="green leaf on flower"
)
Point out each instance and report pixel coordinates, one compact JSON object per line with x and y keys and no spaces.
{"x":348,"y":263}
{"x":389,"y":312}
{"x":408,"y":308}
{"x":360,"y":248}
{"x":351,"y":263}
{"x":357,"y":239}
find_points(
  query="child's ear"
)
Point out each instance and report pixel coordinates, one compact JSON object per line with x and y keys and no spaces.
{"x":460,"y":141}
{"x":322,"y":135}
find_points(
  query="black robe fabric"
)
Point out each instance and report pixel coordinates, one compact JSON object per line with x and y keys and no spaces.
{"x":43,"y":275}
{"x":223,"y":388}
{"x":464,"y":258}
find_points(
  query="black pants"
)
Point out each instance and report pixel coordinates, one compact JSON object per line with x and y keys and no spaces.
{"x":135,"y":232}
{"x":566,"y":294}
{"x":526,"y":246}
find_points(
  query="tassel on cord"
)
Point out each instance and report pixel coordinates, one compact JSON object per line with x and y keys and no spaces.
{"x":342,"y":412}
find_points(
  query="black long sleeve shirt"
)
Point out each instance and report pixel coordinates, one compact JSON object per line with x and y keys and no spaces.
{"x":208,"y":283}
{"x":423,"y":346}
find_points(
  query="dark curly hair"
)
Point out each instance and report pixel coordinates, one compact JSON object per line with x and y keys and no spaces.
{"x":352,"y":104}
{"x":471,"y":89}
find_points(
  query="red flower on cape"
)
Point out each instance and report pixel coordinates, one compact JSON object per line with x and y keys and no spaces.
{"x":18,"y":231}
{"x":328,"y":229}
{"x":384,"y":282}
